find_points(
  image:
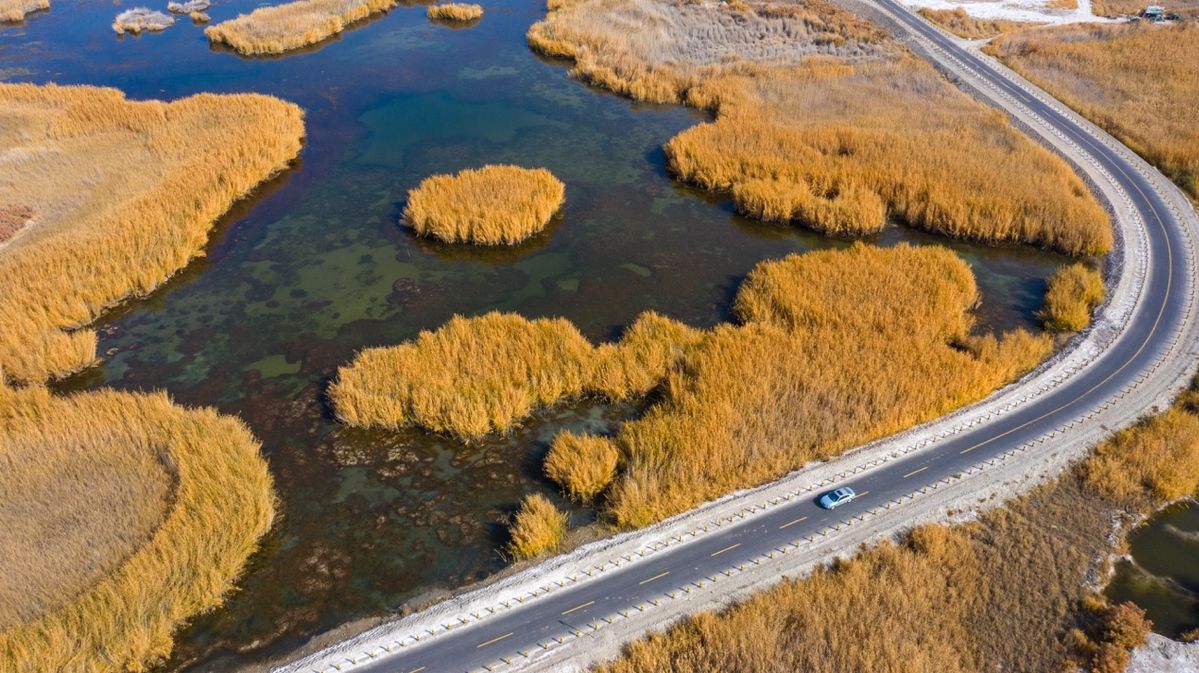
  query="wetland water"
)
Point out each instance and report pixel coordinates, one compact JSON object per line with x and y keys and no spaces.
{"x":315,"y":267}
{"x":1163,"y":574}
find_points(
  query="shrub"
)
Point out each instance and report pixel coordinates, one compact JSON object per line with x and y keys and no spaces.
{"x":455,"y":11}
{"x":293,"y":25}
{"x":129,"y":516}
{"x":493,"y":205}
{"x":125,"y":229}
{"x":539,"y":527}
{"x":583,"y":465}
{"x":1074,"y":292}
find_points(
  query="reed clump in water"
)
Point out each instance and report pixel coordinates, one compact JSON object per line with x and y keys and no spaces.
{"x":123,"y":195}
{"x":293,"y":25}
{"x":823,"y":121}
{"x":1100,"y":70}
{"x":538,"y":528}
{"x":455,"y":11}
{"x":1074,"y":292}
{"x":138,"y":19}
{"x":493,"y":205}
{"x":584,"y":465}
{"x":14,"y":11}
{"x":476,"y":376}
{"x":125,"y":516}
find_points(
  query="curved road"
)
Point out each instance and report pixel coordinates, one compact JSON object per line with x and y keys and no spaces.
{"x":519,"y":637}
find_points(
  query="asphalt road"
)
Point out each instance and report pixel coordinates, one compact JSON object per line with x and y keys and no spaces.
{"x":1155,"y":319}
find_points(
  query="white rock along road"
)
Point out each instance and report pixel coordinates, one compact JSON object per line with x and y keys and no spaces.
{"x":575,"y":610}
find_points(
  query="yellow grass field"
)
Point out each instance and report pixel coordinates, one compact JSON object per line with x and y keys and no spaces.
{"x":1186,"y":8}
{"x":13,"y":11}
{"x":493,"y":205}
{"x":122,"y":195}
{"x":1074,"y":292}
{"x":1007,"y":592}
{"x":125,"y":515}
{"x":455,"y":11}
{"x":281,"y":28}
{"x":958,"y":22}
{"x":476,"y":376}
{"x":823,"y":121}
{"x":1137,"y":81}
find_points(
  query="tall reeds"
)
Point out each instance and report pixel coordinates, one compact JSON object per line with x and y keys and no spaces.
{"x":538,"y":528}
{"x":1137,"y":81}
{"x":493,"y":205}
{"x":123,"y":195}
{"x":125,"y":516}
{"x":293,"y":25}
{"x":455,"y":11}
{"x":1074,"y":292}
{"x":822,"y":121}
{"x":958,"y":22}
{"x":14,"y":11}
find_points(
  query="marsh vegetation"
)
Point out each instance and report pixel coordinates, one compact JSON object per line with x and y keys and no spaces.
{"x":293,"y":25}
{"x":126,"y":516}
{"x":958,"y":22}
{"x":139,"y":19}
{"x":1137,"y":81}
{"x":824,"y":121}
{"x":459,"y":12}
{"x":492,"y":205}
{"x":1074,"y":292}
{"x":103,"y":177}
{"x":537,"y":528}
{"x":13,"y":11}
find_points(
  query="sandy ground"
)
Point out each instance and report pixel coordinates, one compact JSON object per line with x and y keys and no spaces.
{"x":1162,"y":655}
{"x":1031,"y":11}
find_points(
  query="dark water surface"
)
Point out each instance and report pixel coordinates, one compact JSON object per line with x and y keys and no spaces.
{"x":1163,"y":576}
{"x":315,"y":267}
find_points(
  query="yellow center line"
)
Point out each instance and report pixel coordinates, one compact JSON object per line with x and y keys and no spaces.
{"x":792,"y":523}
{"x":579,"y":607}
{"x":915,"y":472}
{"x":418,"y":669}
{"x":493,"y":640}
{"x":863,"y":494}
{"x":728,"y":548}
{"x":655,"y":577}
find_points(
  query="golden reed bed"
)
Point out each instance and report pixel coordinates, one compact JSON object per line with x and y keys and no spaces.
{"x":958,"y":22}
{"x":834,"y":349}
{"x":492,"y":205}
{"x":293,"y":25}
{"x":14,"y":11}
{"x":823,"y":120}
{"x":455,"y":11}
{"x":124,"y":516}
{"x":107,"y":198}
{"x":1137,"y":81}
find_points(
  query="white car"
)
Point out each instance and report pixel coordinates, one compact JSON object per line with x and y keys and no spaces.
{"x":834,"y":499}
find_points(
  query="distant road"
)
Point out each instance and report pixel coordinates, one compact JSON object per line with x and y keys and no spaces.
{"x":570,"y":612}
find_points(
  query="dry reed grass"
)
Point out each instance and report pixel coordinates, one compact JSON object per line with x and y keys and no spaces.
{"x":1074,"y":292}
{"x":455,"y":11}
{"x":538,"y":528}
{"x":13,"y":218}
{"x":124,"y":194}
{"x":1137,"y":81}
{"x":493,"y":205}
{"x":172,"y":501}
{"x":14,"y":11}
{"x":476,"y":376}
{"x":958,"y":22}
{"x":583,"y":465}
{"x":139,"y":19}
{"x":837,"y":348}
{"x":1186,"y":8}
{"x":293,"y":25}
{"x":822,"y":121}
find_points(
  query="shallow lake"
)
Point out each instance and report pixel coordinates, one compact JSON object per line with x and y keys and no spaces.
{"x":316,"y":266}
{"x":1163,"y":575}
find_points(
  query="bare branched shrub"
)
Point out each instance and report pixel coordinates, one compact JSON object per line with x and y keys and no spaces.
{"x":583,"y":465}
{"x":1099,"y":70}
{"x":13,"y":11}
{"x":124,"y":194}
{"x":125,"y":515}
{"x":1074,"y":291}
{"x":824,"y":122}
{"x":293,"y":25}
{"x":539,"y":527}
{"x":493,"y":205}
{"x":455,"y":11}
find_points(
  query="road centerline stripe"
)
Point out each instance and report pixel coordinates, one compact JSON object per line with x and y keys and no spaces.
{"x":916,"y":471}
{"x":792,"y":523}
{"x":728,"y":548}
{"x":494,"y":640}
{"x":418,"y":669}
{"x":579,"y":607}
{"x":655,"y":577}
